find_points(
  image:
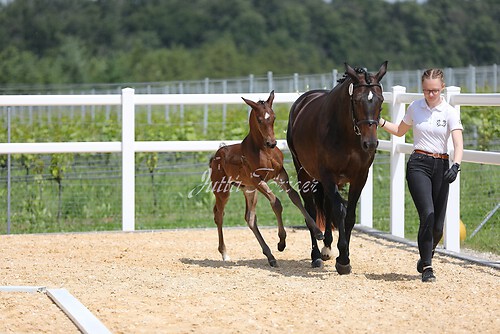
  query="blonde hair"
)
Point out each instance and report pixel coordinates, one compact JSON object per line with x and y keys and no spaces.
{"x":433,"y":73}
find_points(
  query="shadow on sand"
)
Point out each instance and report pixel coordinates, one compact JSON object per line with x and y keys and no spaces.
{"x":287,"y":268}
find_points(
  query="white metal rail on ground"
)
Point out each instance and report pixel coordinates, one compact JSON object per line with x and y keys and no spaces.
{"x":72,"y":307}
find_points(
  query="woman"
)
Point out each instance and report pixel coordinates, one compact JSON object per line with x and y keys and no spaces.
{"x":428,"y":172}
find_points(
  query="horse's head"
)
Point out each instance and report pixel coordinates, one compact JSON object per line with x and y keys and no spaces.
{"x":262,"y":120}
{"x":366,"y":100}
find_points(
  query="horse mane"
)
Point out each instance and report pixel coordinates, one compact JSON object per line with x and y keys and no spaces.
{"x":359,"y":70}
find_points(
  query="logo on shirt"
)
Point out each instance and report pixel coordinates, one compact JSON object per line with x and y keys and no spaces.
{"x":441,"y":122}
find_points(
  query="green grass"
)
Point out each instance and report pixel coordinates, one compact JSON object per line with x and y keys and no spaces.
{"x":183,"y":200}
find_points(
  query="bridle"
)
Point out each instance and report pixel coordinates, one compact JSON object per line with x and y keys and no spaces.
{"x":367,"y":121}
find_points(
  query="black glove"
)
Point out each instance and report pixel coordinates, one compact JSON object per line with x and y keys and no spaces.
{"x":451,"y":174}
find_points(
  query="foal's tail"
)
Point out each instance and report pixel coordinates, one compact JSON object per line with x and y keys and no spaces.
{"x":320,"y":209}
{"x":320,"y":219}
{"x":319,"y":198}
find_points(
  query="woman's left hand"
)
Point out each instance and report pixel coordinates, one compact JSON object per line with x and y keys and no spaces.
{"x":451,"y":174}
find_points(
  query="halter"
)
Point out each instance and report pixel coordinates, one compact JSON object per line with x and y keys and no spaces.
{"x":368,"y":121}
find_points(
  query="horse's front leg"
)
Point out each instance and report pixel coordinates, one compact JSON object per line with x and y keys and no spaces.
{"x":336,"y":211}
{"x":326,"y":251}
{"x":343,"y":263}
{"x":283,"y":181}
{"x":312,"y":194}
{"x":251,"y":219}
{"x":324,"y":216}
{"x":350,"y":220}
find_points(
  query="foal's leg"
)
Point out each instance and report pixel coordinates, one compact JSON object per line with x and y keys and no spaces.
{"x":263,"y":187}
{"x":251,"y":218}
{"x":221,"y":199}
{"x":221,"y":190}
{"x":283,"y":180}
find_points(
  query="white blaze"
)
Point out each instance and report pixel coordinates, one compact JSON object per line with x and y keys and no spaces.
{"x":370,"y":96}
{"x":266,"y":116}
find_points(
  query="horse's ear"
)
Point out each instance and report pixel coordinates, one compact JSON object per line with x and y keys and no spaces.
{"x":252,"y":104}
{"x":270,"y":98}
{"x":381,"y":72}
{"x":351,"y":72}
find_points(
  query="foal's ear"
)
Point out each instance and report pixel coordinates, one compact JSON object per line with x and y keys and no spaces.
{"x":270,"y":98}
{"x":381,"y":71}
{"x":252,"y":104}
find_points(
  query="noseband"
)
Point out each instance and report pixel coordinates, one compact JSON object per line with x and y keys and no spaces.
{"x":367,"y":121}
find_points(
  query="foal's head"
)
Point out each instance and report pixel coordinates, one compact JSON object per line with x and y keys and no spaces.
{"x":262,"y":121}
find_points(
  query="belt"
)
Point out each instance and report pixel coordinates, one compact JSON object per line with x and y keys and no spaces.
{"x":434,"y":155}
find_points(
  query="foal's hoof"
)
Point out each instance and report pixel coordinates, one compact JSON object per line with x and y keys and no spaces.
{"x":326,"y":254}
{"x":319,"y":235}
{"x":343,"y":269}
{"x":273,"y":263}
{"x":318,"y":263}
{"x":281,"y":246}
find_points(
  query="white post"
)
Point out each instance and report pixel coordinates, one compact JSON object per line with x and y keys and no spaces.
{"x":128,"y":160}
{"x":366,"y":204}
{"x":397,"y":181}
{"x":452,"y":221}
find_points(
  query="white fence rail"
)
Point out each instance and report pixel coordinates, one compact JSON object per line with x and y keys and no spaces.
{"x":128,"y":100}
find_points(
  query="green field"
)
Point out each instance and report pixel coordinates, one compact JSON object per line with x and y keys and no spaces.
{"x":82,"y":192}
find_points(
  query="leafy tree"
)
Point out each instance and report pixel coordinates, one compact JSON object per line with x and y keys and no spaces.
{"x":18,"y":66}
{"x":74,"y":41}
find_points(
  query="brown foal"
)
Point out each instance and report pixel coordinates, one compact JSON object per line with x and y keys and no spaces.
{"x":249,"y":166}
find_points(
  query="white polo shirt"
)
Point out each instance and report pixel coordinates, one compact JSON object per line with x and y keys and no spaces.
{"x":432,"y":126}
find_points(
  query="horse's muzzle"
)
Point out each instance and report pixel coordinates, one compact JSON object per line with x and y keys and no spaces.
{"x":370,"y":145}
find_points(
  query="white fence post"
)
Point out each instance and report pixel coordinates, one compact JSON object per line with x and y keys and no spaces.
{"x":452,"y":221}
{"x":397,"y":192}
{"x":128,"y":160}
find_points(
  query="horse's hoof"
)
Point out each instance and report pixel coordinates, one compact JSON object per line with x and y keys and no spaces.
{"x":343,"y":269}
{"x":318,"y":263}
{"x":273,"y":263}
{"x":281,"y":246}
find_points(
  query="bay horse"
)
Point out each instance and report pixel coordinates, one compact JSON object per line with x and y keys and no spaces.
{"x":248,"y":166}
{"x":333,"y":138}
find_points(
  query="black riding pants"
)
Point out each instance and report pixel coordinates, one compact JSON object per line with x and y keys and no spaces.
{"x":429,"y":191}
